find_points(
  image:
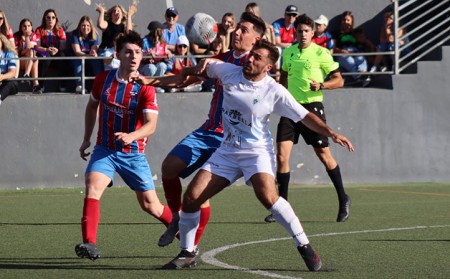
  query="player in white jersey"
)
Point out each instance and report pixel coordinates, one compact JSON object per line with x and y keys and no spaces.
{"x":250,"y":96}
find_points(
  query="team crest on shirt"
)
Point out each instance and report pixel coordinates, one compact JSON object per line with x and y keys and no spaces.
{"x":307,"y":64}
{"x":107,"y":93}
{"x":133,"y":94}
{"x":256,"y":100}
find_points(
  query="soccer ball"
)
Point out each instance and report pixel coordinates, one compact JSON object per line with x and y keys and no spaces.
{"x":201,"y":29}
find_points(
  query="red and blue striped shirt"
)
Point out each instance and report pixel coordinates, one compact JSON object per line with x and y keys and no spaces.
{"x":214,"y":121}
{"x":122,"y":109}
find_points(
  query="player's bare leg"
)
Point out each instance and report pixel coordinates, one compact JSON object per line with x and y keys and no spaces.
{"x":203,"y":186}
{"x":265,"y":191}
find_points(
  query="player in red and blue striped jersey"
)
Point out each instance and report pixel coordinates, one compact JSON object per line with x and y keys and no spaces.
{"x":128,"y":114}
{"x":195,"y":149}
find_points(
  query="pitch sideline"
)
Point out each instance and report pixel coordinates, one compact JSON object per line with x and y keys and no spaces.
{"x":209,"y":256}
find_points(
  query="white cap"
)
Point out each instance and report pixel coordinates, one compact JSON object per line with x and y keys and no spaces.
{"x":182,"y":40}
{"x":321,"y":20}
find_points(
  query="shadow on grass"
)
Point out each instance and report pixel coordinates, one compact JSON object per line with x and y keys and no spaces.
{"x":152,"y":223}
{"x":407,"y":240}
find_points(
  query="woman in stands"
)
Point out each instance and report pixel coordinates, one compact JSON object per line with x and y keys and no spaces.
{"x":26,"y":40}
{"x":253,"y":8}
{"x":8,"y":69}
{"x":346,"y":42}
{"x":226,"y":29}
{"x":85,"y":42}
{"x":183,"y":59}
{"x":5,"y":29}
{"x":112,"y":22}
{"x":52,"y":42}
{"x":156,"y":47}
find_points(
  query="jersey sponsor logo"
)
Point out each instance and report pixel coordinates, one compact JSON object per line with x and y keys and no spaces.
{"x":117,"y":109}
{"x":236,"y":117}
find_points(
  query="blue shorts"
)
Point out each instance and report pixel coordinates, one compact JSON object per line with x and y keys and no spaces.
{"x":195,"y":149}
{"x":132,"y":167}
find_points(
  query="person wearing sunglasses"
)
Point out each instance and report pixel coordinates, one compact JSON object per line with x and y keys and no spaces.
{"x":172,"y":29}
{"x":181,"y":60}
{"x":51,"y":43}
{"x":284,"y":33}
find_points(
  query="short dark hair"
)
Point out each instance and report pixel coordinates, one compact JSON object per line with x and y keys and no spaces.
{"x":274,"y":54}
{"x":304,"y":19}
{"x":258,"y":23}
{"x":131,"y":37}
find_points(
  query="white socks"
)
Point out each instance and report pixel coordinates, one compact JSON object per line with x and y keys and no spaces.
{"x":188,"y":225}
{"x":285,"y":216}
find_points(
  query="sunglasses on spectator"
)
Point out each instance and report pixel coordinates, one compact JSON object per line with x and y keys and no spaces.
{"x":51,"y":17}
{"x":183,"y":46}
{"x":1,"y":18}
{"x":291,"y":14}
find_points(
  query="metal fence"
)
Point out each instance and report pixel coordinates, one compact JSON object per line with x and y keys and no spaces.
{"x":426,"y":27}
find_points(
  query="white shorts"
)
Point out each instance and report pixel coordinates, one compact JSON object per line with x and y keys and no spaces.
{"x":231,"y":163}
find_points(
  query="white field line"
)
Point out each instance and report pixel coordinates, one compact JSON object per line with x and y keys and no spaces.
{"x":209,"y":257}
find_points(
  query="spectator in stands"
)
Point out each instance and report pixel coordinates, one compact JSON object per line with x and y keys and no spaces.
{"x":225,"y":30}
{"x":172,"y":30}
{"x":215,"y":47}
{"x":181,"y":60}
{"x":284,"y":27}
{"x":321,"y":36}
{"x":8,"y":69}
{"x":156,"y":47}
{"x":364,"y":44}
{"x":387,"y":39}
{"x":113,"y":22}
{"x":269,"y":35}
{"x":346,"y":42}
{"x":52,"y":42}
{"x":26,"y":40}
{"x":284,"y":33}
{"x":85,"y":42}
{"x":5,"y":29}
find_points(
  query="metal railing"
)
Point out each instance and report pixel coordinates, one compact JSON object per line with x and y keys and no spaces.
{"x":430,"y":19}
{"x":413,"y":12}
{"x":83,"y":59}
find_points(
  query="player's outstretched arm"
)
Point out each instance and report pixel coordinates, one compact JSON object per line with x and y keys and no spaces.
{"x":313,"y":122}
{"x":171,"y":81}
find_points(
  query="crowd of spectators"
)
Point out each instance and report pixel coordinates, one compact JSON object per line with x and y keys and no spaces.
{"x":167,"y":39}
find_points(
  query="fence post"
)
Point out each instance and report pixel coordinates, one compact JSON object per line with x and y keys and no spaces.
{"x":396,"y":39}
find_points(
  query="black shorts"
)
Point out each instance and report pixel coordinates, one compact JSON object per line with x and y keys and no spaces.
{"x":289,"y":130}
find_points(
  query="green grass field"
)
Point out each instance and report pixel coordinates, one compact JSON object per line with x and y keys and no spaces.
{"x":394,"y":231}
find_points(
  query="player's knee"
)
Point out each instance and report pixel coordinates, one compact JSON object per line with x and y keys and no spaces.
{"x":282,"y":160}
{"x":169,"y":168}
{"x":190,"y":203}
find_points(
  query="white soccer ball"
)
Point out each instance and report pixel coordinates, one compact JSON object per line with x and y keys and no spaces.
{"x":201,"y":29}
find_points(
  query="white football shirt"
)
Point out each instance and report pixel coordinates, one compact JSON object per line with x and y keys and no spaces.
{"x":247,"y":106}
